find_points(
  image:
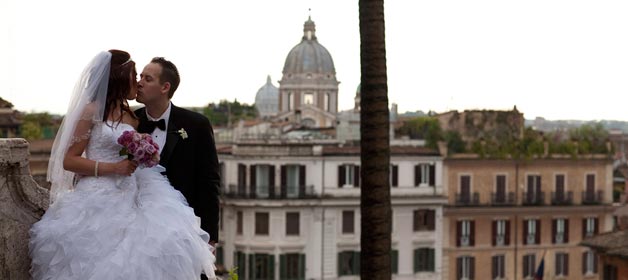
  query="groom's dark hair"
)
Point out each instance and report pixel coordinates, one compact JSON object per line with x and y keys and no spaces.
{"x":169,"y":73}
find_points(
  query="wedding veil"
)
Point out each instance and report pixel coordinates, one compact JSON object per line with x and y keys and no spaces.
{"x":86,"y":107}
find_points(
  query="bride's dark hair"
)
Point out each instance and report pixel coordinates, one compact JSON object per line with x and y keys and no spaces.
{"x":119,"y":83}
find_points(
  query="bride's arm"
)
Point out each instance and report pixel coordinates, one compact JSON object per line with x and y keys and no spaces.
{"x":75,"y":162}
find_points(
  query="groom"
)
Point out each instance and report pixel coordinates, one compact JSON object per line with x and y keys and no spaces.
{"x":186,"y":142}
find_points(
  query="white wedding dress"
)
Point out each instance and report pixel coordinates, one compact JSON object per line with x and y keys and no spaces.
{"x":119,"y":227}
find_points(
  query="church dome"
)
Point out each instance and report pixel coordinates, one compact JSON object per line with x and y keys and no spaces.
{"x":309,"y":57}
{"x":267,"y":99}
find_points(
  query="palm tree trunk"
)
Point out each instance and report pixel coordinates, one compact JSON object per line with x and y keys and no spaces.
{"x":375,"y":146}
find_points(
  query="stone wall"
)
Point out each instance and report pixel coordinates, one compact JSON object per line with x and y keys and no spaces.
{"x":22,"y":203}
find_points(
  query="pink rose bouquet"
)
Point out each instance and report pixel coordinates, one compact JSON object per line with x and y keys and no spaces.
{"x":139,"y":147}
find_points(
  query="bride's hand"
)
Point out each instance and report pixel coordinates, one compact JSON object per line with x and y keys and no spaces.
{"x":124,"y":167}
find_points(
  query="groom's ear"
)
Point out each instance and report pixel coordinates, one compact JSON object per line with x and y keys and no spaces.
{"x":166,"y":87}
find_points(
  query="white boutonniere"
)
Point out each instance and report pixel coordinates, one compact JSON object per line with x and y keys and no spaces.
{"x":182,"y":133}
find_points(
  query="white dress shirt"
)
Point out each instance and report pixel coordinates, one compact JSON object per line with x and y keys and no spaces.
{"x":159,"y":136}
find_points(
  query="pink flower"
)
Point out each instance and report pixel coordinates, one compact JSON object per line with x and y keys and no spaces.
{"x":139,"y":147}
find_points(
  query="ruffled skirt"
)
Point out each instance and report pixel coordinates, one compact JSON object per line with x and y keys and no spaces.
{"x":136,"y":227}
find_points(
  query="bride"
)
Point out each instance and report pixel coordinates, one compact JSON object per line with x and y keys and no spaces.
{"x":109,"y":219}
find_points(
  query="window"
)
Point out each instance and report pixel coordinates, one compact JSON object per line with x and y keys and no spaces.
{"x":424,"y":219}
{"x":589,"y":227}
{"x":424,"y":174}
{"x":531,"y":231}
{"x":562,"y":264}
{"x":500,"y":188}
{"x":348,"y":222}
{"x":589,"y":194}
{"x":560,"y":186}
{"x":465,"y":231}
{"x":348,"y":263}
{"x":610,"y":272}
{"x":348,"y":174}
{"x":223,"y":174}
{"x":241,"y":179}
{"x":529,"y":266}
{"x":292,"y":223}
{"x":239,"y":222}
{"x":262,"y":179}
{"x":394,"y":175}
{"x":292,"y":266}
{"x":308,"y":98}
{"x":292,"y":180}
{"x":424,"y":260}
{"x":499,"y":267}
{"x":262,"y":266}
{"x":326,"y":102}
{"x":560,"y":231}
{"x":533,"y":194}
{"x":394,"y":259}
{"x":261,"y":223}
{"x":465,"y":267}
{"x":589,"y":263}
{"x":465,"y":189}
{"x":501,"y":232}
{"x":239,"y":260}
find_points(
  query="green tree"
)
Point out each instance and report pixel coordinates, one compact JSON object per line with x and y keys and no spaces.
{"x":375,"y":240}
{"x":31,"y":131}
{"x":426,"y":128}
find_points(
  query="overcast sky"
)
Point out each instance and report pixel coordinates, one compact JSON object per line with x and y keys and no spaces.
{"x":555,"y":59}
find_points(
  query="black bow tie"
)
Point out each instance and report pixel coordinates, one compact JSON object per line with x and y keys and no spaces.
{"x":151,"y":125}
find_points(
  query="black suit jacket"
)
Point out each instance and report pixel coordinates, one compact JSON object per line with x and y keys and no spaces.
{"x":192,"y":163}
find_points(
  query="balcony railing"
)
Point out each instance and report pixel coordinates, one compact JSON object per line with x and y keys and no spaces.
{"x":592,"y":197}
{"x":562,"y":198}
{"x":468,"y":199}
{"x":505,"y":199}
{"x":533,"y":198}
{"x":278,"y":192}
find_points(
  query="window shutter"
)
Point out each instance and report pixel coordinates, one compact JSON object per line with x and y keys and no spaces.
{"x":584,"y":262}
{"x":494,"y":265}
{"x":271,"y":181}
{"x":271,"y":266}
{"x":471,"y":268}
{"x":341,"y":175}
{"x":430,"y":259}
{"x":472,"y":234}
{"x":431,"y":219}
{"x":537,"y":234}
{"x":395,"y":177}
{"x":301,"y":266}
{"x":525,"y":231}
{"x":458,"y":232}
{"x":284,"y":181}
{"x":416,"y":260}
{"x":566,"y":264}
{"x":584,"y":228}
{"x":356,"y":176}
{"x":526,"y":265}
{"x":566,"y":234}
{"x":458,"y":267}
{"x":538,"y":185}
{"x":252,"y":266}
{"x":302,"y":175}
{"x":340,"y":273}
{"x":494,"y":229}
{"x":507,"y":233}
{"x":595,"y":258}
{"x":283,"y":270}
{"x":554,"y":224}
{"x":395,"y":261}
{"x":241,"y":175}
{"x":557,"y":259}
{"x":356,"y":263}
{"x":253,"y":182}
{"x":595,"y":226}
{"x":432,"y":178}
{"x":417,"y":175}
